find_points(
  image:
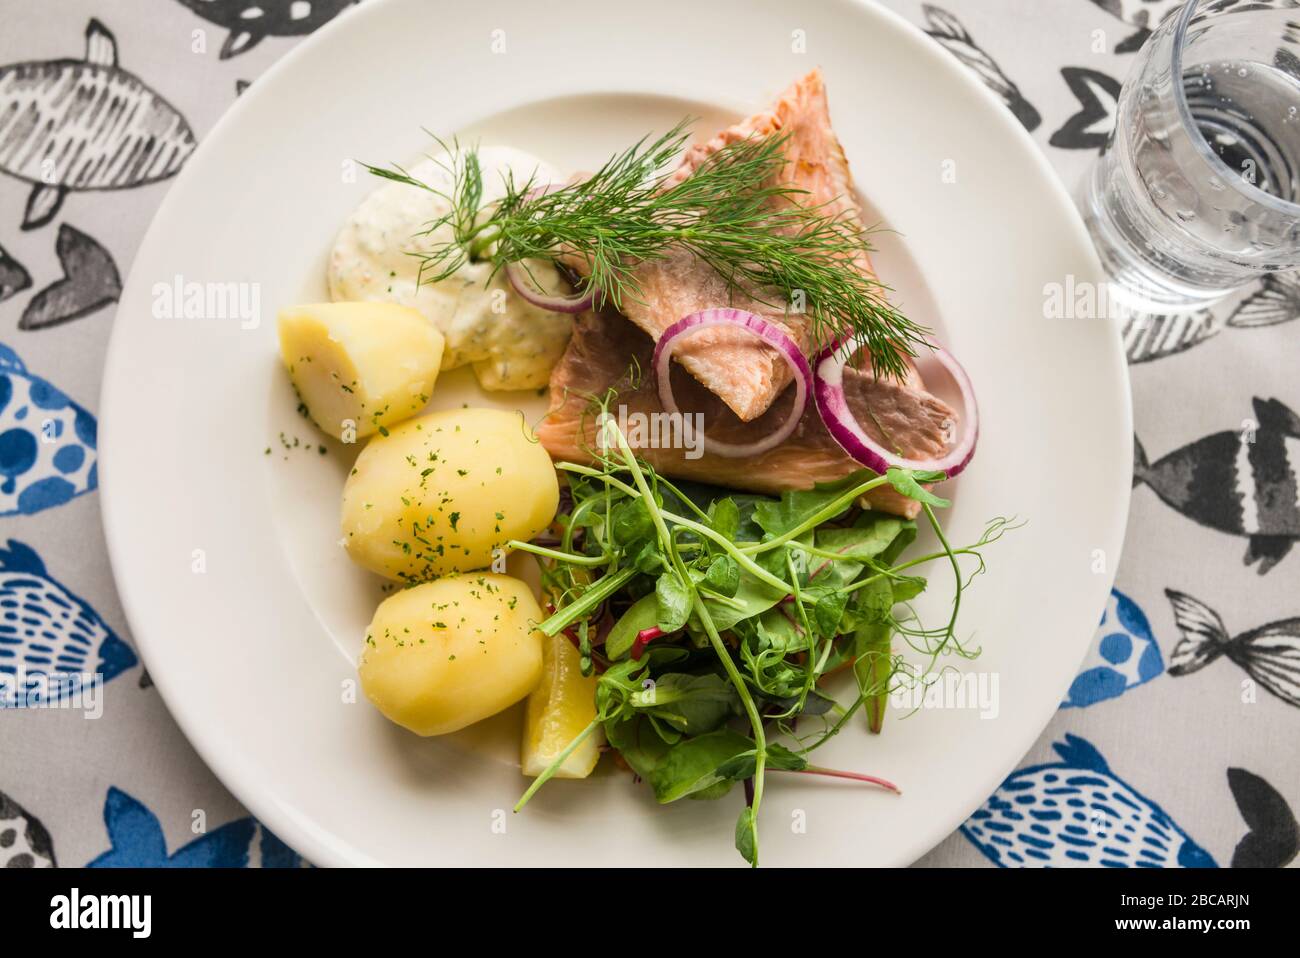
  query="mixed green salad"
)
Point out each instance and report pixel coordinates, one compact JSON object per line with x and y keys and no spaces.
{"x":713,"y":619}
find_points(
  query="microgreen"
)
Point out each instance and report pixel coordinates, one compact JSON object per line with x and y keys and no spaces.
{"x":730,"y":612}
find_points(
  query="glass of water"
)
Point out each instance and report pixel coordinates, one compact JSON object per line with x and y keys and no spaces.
{"x":1198,"y":189}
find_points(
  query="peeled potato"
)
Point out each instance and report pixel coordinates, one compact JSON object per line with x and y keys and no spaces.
{"x":360,"y":367}
{"x":440,"y":493}
{"x":445,"y":654}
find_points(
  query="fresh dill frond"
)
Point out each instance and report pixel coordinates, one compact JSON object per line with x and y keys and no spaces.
{"x":733,"y":212}
{"x":464,"y":198}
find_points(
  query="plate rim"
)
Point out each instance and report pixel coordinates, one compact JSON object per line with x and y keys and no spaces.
{"x":133,"y":597}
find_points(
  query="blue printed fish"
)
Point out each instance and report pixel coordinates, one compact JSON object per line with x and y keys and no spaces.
{"x":45,"y":629}
{"x":137,"y":841}
{"x":1123,"y":655}
{"x":1077,"y":812}
{"x":47,"y":442}
{"x":1269,"y":654}
{"x":1244,"y":482}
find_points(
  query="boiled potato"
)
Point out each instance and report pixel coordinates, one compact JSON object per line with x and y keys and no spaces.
{"x":360,"y":367}
{"x":445,"y":654}
{"x":439,"y":493}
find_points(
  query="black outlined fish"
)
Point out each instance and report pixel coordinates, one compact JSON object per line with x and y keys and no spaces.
{"x":1240,"y":482}
{"x":1276,"y":301}
{"x":48,"y":445}
{"x":1091,"y":127}
{"x":1270,"y":654}
{"x":85,"y":125}
{"x":251,"y":21}
{"x":24,"y":841}
{"x":956,"y":39}
{"x":14,"y":277}
{"x":1274,"y":836}
{"x":1146,"y":15}
{"x":1149,"y":336}
{"x":90,"y":281}
{"x":1287,"y":61}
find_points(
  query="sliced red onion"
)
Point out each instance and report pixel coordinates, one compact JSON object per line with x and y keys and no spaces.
{"x":523,"y":285}
{"x":767,"y":331}
{"x":833,"y":405}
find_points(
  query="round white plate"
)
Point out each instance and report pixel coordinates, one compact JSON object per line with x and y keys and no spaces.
{"x":248,"y":613}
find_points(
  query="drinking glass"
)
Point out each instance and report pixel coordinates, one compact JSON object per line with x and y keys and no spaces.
{"x":1196,"y":192}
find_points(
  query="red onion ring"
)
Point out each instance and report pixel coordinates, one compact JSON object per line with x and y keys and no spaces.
{"x":833,"y":405}
{"x":573,"y":303}
{"x":519,"y":279}
{"x":767,"y":331}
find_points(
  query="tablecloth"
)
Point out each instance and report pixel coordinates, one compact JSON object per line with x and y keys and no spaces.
{"x":1183,"y":721}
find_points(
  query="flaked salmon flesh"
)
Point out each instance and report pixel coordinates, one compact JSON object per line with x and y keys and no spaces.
{"x":742,"y":371}
{"x":607,"y":352}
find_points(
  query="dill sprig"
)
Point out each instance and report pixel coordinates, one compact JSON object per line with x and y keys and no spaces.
{"x":733,"y":212}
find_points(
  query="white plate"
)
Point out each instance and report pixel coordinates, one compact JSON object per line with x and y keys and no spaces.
{"x":249,"y":615}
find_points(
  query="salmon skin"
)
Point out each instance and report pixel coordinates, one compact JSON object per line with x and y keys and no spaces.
{"x":743,"y":372}
{"x":609,"y":353}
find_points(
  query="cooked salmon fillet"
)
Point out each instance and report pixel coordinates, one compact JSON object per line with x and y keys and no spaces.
{"x":743,"y":372}
{"x":607,"y":351}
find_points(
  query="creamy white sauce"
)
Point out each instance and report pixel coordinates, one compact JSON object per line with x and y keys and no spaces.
{"x":510,"y":343}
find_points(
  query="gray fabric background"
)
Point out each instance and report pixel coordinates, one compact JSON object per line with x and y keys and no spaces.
{"x":1171,"y":739}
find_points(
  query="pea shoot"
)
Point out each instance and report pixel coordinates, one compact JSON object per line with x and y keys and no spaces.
{"x":714,"y":618}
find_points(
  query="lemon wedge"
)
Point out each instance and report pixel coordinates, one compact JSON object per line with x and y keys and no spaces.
{"x":561,"y":706}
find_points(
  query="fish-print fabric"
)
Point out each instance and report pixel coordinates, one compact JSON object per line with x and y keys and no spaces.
{"x":1174,"y":745}
{"x":1076,"y":811}
{"x":47,"y":631}
{"x":1269,"y":654}
{"x":47,"y":442}
{"x":1124,"y":654}
{"x":1244,"y":482}
{"x":85,"y":124}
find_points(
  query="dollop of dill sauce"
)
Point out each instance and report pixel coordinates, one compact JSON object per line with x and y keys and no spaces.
{"x":510,"y":343}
